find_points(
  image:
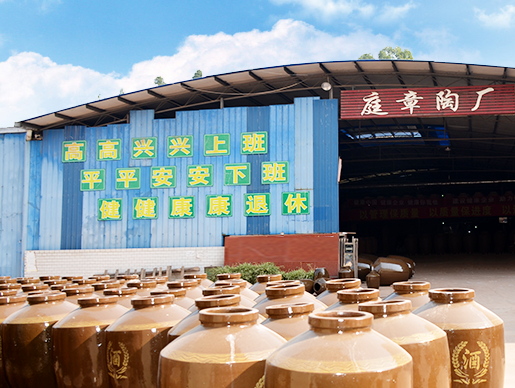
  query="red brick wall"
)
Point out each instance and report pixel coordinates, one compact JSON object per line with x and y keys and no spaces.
{"x":290,"y":251}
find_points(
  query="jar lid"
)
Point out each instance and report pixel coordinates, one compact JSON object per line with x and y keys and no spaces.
{"x":157,"y":279}
{"x":195,"y":276}
{"x":106,"y":284}
{"x":217,"y":301}
{"x":72,"y":277}
{"x":130,"y":277}
{"x":281,"y":282}
{"x":342,"y":284}
{"x":219,"y":290}
{"x":229,"y":315}
{"x":8,"y":292}
{"x":8,"y":299}
{"x":120,"y":291}
{"x":100,"y":277}
{"x":384,"y":308}
{"x":96,"y":301}
{"x":413,"y":286}
{"x":282,"y":291}
{"x":4,"y":277}
{"x":10,"y":286}
{"x":180,"y":283}
{"x":289,"y":309}
{"x":177,"y":292}
{"x":269,"y":278}
{"x":232,"y":282}
{"x":78,"y":290}
{"x":48,"y":277}
{"x":84,"y":281}
{"x":12,"y":281}
{"x":451,"y":295}
{"x":340,"y":319}
{"x":52,"y":282}
{"x":43,"y":297}
{"x":357,"y":295}
{"x":57,"y":287}
{"x":153,"y":300}
{"x":34,"y":287}
{"x":227,"y":276}
{"x":22,"y":281}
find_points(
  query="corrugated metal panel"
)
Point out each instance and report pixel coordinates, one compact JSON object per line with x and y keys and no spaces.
{"x":12,"y":149}
{"x":34,"y":205}
{"x":325,"y":167}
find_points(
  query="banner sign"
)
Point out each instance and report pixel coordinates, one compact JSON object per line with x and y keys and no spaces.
{"x":428,"y":102}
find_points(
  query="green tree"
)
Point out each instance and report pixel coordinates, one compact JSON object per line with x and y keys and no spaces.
{"x":159,"y":81}
{"x":366,"y":56}
{"x":395,"y":53}
{"x":198,"y":74}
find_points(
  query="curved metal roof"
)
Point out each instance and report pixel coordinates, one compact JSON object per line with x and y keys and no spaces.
{"x":269,"y":86}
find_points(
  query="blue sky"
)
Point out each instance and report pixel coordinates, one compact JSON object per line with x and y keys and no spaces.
{"x":59,"y":53}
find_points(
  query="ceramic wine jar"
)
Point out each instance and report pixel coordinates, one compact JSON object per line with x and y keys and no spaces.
{"x":365,"y":265}
{"x":423,"y":340}
{"x":262,"y":280}
{"x":340,"y":350}
{"x":9,"y":305}
{"x":124,"y":295}
{"x":475,"y":336}
{"x":180,"y":296}
{"x":136,"y":338}
{"x":244,"y":290}
{"x":193,"y":290}
{"x":192,"y":320}
{"x":228,"y":349}
{"x":232,"y":276}
{"x":27,"y":340}
{"x":277,"y":283}
{"x":350,"y":299}
{"x":143,"y":287}
{"x":80,"y":344}
{"x":219,"y":290}
{"x":392,"y":270}
{"x":287,"y":293}
{"x":329,"y":296}
{"x":73,"y":294}
{"x":416,"y":292}
{"x":408,"y":261}
{"x":205,"y":282}
{"x":289,"y":320}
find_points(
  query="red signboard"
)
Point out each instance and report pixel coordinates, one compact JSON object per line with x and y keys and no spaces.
{"x":428,"y":102}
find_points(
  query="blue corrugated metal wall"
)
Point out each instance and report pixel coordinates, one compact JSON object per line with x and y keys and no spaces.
{"x":60,"y":216}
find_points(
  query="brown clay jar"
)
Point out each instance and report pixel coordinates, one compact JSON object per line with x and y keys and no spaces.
{"x":285,"y":294}
{"x":84,"y":281}
{"x":329,"y":296}
{"x":219,"y":290}
{"x":105,"y":284}
{"x":80,"y":344}
{"x":124,"y":295}
{"x":26,"y":288}
{"x":424,"y":341}
{"x":350,"y":299}
{"x":475,"y":336}
{"x":392,"y":270}
{"x":276,"y":283}
{"x":9,"y":305}
{"x":232,"y":276}
{"x":262,"y":280}
{"x":73,"y":294}
{"x":48,"y":277}
{"x":340,"y":350}
{"x":14,"y":281}
{"x":417,"y":292}
{"x":180,"y":297}
{"x":136,"y":338}
{"x":27,"y":340}
{"x":408,"y":261}
{"x":289,"y":320}
{"x":12,"y":292}
{"x":143,"y":287}
{"x":244,"y":290}
{"x":206,"y":302}
{"x":10,"y":286}
{"x":205,"y":282}
{"x":193,"y":290}
{"x":228,"y":349}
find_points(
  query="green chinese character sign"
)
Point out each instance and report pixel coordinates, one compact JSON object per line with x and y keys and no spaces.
{"x":127,"y":178}
{"x":295,"y":203}
{"x":180,"y":146}
{"x":254,"y":143}
{"x":145,"y":208}
{"x":182,"y":207}
{"x":237,"y":174}
{"x":144,"y":148}
{"x":274,"y":172}
{"x":200,"y":175}
{"x":109,"y":149}
{"x":74,"y":151}
{"x":257,"y":204}
{"x":163,"y":177}
{"x":219,"y":205}
{"x":91,"y":180}
{"x":217,"y":144}
{"x":109,"y":209}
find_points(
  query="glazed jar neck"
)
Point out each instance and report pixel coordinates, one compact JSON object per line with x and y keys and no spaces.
{"x":328,"y":331}
{"x":229,"y":324}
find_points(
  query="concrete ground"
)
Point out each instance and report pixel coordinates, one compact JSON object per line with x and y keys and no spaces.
{"x":491,"y":276}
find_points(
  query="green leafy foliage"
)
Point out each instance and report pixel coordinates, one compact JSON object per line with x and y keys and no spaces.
{"x":198,"y":74}
{"x":250,"y":271}
{"x":366,"y":56}
{"x":395,"y":53}
{"x":159,"y":81}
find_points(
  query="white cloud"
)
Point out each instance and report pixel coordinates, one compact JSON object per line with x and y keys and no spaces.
{"x":330,"y":9}
{"x":32,"y":85}
{"x":391,"y":13}
{"x":502,"y":19}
